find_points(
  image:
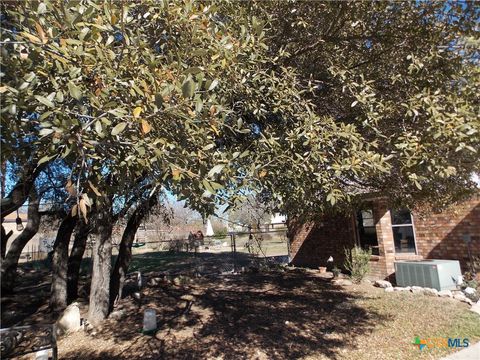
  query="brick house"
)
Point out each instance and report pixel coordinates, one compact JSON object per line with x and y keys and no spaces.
{"x":392,"y":234}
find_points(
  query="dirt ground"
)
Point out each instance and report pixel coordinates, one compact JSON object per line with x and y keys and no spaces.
{"x":291,"y":314}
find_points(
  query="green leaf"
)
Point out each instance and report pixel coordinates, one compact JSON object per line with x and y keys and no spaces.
{"x":417,"y":184}
{"x":74,"y":91}
{"x":44,"y":159}
{"x":208,"y":187}
{"x":42,"y":8}
{"x":188,"y":88}
{"x":83,"y":33}
{"x":216,"y":169}
{"x":45,"y":101}
{"x":45,"y":115}
{"x":98,"y":127}
{"x":119,"y":128}
{"x":208,"y":147}
{"x":45,"y":132}
{"x":213,"y":85}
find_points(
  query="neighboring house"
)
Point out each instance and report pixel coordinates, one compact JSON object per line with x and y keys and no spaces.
{"x":392,"y":234}
{"x":277,"y":221}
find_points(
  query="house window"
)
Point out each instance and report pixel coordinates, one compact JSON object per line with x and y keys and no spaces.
{"x":366,"y":230}
{"x":403,"y":234}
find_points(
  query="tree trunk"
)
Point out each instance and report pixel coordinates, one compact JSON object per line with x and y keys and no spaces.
{"x":19,"y":194}
{"x":125,"y":249}
{"x":4,"y":241}
{"x":102,"y":264}
{"x":58,"y":299}
{"x":75,"y":260}
{"x":10,"y":263}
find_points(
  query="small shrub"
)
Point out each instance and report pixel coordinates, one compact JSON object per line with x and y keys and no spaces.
{"x":336,"y":271}
{"x":470,"y":280}
{"x":357,"y":262}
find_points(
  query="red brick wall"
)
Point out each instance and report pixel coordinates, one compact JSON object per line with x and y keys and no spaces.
{"x":440,"y":235}
{"x":312,"y":244}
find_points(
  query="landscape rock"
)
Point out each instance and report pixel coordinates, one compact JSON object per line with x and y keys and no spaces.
{"x":389,"y":289}
{"x":69,"y":321}
{"x":416,"y":289}
{"x":398,"y":288}
{"x":383,"y":284}
{"x":445,"y":293}
{"x":463,"y":298}
{"x":342,"y":282}
{"x":430,"y":292}
{"x":117,"y":315}
{"x":469,"y":291}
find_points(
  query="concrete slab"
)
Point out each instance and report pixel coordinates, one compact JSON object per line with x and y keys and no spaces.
{"x":470,"y":353}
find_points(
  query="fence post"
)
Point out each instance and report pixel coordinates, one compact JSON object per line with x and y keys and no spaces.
{"x":234,"y":253}
{"x":233,"y":246}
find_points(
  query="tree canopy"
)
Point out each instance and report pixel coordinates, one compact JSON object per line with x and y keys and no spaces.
{"x":307,"y":103}
{"x":136,"y":89}
{"x":404,"y":77}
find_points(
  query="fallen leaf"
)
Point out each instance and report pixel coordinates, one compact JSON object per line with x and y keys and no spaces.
{"x":41,"y":33}
{"x":137,"y":111}
{"x":146,"y":127}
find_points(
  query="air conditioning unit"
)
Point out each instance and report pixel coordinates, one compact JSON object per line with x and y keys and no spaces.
{"x":436,"y":274}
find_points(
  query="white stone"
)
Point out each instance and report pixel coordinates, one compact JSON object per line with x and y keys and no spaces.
{"x":469,"y":290}
{"x":389,"y":289}
{"x":430,"y":292}
{"x":463,"y":298}
{"x":69,"y":321}
{"x":445,"y":293}
{"x":383,"y":284}
{"x":416,"y":289}
{"x":397,"y":288}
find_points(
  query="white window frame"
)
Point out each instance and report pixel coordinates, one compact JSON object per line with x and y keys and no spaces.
{"x":401,"y":225}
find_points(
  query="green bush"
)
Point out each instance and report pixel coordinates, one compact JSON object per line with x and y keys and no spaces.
{"x":357,"y":262}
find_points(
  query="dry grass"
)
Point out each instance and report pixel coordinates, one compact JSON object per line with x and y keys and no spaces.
{"x":411,"y":315}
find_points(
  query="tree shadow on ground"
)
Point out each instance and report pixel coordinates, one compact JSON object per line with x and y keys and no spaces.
{"x":27,"y":304}
{"x":277,"y":315}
